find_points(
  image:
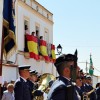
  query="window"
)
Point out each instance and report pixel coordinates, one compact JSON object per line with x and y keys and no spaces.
{"x":46,"y":36}
{"x":26,"y":26}
{"x":26,"y":30}
{"x":37,"y":31}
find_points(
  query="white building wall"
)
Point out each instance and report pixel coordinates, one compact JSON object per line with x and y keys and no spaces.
{"x":9,"y":73}
{"x":40,"y":66}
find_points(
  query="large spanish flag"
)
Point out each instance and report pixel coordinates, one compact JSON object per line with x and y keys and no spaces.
{"x":53,"y":52}
{"x":32,"y":46}
{"x":43,"y":50}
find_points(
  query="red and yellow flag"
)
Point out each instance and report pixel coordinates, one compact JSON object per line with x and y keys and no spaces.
{"x":53,"y":52}
{"x":43,"y":50}
{"x":32,"y":46}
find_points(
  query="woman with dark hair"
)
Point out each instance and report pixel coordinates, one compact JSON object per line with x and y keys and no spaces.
{"x":98,"y":85}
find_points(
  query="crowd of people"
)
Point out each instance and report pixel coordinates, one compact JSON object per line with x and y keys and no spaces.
{"x":63,"y":88}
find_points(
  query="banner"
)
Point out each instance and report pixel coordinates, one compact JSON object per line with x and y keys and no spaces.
{"x":9,"y":28}
{"x":53,"y":52}
{"x":91,"y":69}
{"x":43,"y":50}
{"x":32,"y":46}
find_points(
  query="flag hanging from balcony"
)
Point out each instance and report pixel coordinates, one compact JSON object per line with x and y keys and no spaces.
{"x":53,"y":52}
{"x":32,"y":46}
{"x":43,"y":50}
{"x":9,"y":28}
{"x":91,"y":69}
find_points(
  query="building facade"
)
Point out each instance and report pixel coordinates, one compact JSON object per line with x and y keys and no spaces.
{"x":38,"y":20}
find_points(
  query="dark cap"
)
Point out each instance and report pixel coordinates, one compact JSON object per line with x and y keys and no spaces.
{"x":33,"y":72}
{"x":24,"y":67}
{"x":65,"y":57}
{"x":88,"y":77}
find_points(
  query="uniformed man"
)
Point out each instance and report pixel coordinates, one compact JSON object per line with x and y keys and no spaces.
{"x":21,"y":88}
{"x":30,"y":83}
{"x":98,"y":91}
{"x":89,"y":88}
{"x":33,"y":86}
{"x":59,"y":89}
{"x":33,"y":78}
{"x":83,"y":87}
{"x":78,"y":87}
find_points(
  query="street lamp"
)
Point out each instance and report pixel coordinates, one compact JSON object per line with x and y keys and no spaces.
{"x":59,"y":49}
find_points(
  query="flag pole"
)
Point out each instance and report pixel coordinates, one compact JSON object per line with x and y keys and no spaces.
{"x":1,"y":60}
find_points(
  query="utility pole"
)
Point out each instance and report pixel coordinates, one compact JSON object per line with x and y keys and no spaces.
{"x":1,"y":58}
{"x":86,"y":67}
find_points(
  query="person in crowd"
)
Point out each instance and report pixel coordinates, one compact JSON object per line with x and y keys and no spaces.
{"x":39,"y":43}
{"x":33,"y":33}
{"x":83,"y":87}
{"x":98,"y":91}
{"x":32,"y":84}
{"x":62,"y":88}
{"x":9,"y":93}
{"x":89,"y":88}
{"x":34,"y":78}
{"x":98,"y":85}
{"x":21,"y":88}
{"x":25,"y":39}
{"x":4,"y":87}
{"x":12,"y":81}
{"x":81,"y":73}
{"x":78,"y":87}
{"x":26,"y":30}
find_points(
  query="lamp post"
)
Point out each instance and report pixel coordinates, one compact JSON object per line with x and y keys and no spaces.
{"x":59,"y":49}
{"x":59,"y":52}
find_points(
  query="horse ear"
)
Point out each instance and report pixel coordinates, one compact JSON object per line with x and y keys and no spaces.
{"x":76,"y":53}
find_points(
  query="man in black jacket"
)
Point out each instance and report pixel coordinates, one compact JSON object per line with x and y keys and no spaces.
{"x":78,"y":87}
{"x":98,"y":91}
{"x":62,"y":87}
{"x":89,"y":88}
{"x":21,"y":88}
{"x":32,"y":84}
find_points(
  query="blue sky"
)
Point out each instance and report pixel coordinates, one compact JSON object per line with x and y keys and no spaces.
{"x":77,"y":25}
